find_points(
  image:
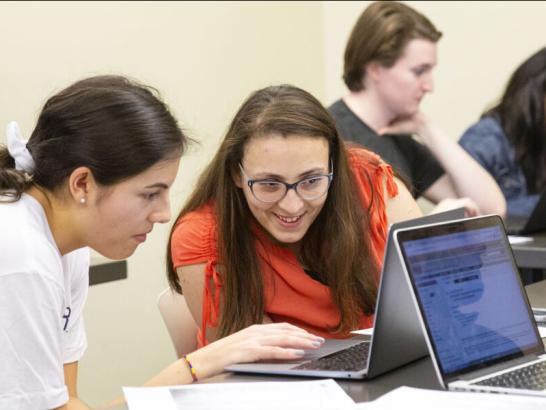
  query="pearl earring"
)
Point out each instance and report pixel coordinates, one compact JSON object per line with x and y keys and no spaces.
{"x":82,"y":200}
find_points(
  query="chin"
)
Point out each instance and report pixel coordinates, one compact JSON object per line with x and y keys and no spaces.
{"x":288,"y":238}
{"x":116,"y":254}
{"x":289,"y":241}
{"x":414,"y":109}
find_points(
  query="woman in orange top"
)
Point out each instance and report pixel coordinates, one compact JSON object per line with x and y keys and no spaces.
{"x":285,"y":224}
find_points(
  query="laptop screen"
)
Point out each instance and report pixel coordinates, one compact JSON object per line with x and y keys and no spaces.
{"x":467,"y":285}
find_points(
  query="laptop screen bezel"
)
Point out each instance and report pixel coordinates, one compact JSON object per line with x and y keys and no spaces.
{"x":428,"y":231}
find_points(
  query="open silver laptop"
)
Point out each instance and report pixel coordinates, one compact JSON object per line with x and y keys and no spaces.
{"x":397,"y":338}
{"x":472,"y":307}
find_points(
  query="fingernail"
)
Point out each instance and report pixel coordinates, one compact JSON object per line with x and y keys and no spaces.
{"x":321,"y":339}
{"x":299,"y":352}
{"x":317,"y":343}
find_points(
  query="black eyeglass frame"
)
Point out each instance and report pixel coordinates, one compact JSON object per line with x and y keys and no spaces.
{"x":250,"y":182}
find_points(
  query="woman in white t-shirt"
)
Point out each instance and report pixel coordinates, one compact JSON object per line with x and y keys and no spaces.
{"x":95,"y":173}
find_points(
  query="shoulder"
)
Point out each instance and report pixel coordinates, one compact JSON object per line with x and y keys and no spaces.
{"x":487,"y":128}
{"x":338,"y":108}
{"x":76,"y":263}
{"x":203,"y":217}
{"x":194,"y":237}
{"x":25,"y":233}
{"x":486,"y":142}
{"x":362,"y":159}
{"x":350,"y":126}
{"x":370,"y":171}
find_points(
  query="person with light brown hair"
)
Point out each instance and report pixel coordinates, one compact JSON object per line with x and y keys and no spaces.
{"x":286,"y":224}
{"x":388,"y":64}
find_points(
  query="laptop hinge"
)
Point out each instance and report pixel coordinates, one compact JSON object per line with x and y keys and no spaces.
{"x":495,"y":368}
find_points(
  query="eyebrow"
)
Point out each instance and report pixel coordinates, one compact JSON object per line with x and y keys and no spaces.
{"x":266,"y":175}
{"x":157,"y":185}
{"x":425,"y":65}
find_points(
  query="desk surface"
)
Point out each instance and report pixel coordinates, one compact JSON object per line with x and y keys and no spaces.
{"x":417,"y":374}
{"x":531,"y":254}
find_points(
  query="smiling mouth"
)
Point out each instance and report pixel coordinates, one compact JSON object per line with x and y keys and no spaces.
{"x":289,"y":220}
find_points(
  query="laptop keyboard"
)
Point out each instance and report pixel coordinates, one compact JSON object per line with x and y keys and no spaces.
{"x":531,"y":378}
{"x":354,"y":358}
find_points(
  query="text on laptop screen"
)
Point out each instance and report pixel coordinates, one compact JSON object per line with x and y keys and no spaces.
{"x":470,"y":297}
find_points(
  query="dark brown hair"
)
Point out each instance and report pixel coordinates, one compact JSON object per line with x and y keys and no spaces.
{"x":337,"y":243}
{"x":380,"y":35}
{"x":115,"y":126}
{"x":522,"y":114}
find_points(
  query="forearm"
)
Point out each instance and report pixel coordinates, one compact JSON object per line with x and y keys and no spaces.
{"x":175,"y":374}
{"x":204,"y":362}
{"x":75,"y":403}
{"x":71,"y":379}
{"x":467,"y":177}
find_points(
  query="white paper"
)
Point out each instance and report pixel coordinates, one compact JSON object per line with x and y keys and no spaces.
{"x":542,"y":331}
{"x":514,"y":240}
{"x":409,"y":398}
{"x":368,"y":331}
{"x":298,"y":395}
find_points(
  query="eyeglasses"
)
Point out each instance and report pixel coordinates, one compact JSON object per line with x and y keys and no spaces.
{"x":270,"y":190}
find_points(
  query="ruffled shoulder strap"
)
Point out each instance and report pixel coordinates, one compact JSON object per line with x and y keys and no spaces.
{"x":372,"y":176}
{"x":194,"y":241}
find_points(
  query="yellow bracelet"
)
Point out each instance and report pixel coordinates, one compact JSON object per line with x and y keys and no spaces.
{"x":190,"y":366}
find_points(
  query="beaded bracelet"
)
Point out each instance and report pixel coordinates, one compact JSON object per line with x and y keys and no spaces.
{"x":190,"y":366}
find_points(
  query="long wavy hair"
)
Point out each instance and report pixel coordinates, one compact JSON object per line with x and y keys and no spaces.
{"x":522,"y":115}
{"x":337,"y":244}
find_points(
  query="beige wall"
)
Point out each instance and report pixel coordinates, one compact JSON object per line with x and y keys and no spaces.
{"x":205,"y":58}
{"x":482,"y":43}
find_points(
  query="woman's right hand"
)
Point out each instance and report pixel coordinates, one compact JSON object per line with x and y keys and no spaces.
{"x":279,"y":341}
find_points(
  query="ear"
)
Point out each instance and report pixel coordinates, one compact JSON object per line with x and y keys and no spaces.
{"x":237,"y":178}
{"x":373,"y":71}
{"x":82,"y":184}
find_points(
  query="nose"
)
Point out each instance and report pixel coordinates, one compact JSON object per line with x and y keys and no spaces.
{"x":291,"y":203}
{"x":162,"y":214}
{"x":428,"y":83}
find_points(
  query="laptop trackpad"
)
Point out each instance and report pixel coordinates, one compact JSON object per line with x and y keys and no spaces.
{"x":333,"y":345}
{"x":330,"y":346}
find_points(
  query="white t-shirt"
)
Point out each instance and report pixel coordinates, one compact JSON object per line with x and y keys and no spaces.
{"x":42,"y":295}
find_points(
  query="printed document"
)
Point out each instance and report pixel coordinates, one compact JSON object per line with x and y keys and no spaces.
{"x":298,"y":395}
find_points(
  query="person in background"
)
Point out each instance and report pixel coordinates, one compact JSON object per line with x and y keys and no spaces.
{"x":509,"y":140}
{"x":95,"y":173}
{"x":388,"y":64}
{"x":286,"y":224}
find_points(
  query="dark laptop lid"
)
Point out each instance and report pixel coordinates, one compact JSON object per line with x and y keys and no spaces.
{"x":474,"y":308}
{"x":397,"y":337}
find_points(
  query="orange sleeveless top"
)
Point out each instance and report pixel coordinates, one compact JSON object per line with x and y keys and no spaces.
{"x":291,"y":295}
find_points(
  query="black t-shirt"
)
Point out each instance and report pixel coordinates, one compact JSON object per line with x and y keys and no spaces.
{"x":410,"y":159}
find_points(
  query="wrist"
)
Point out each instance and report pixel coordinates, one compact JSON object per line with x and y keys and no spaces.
{"x":204,"y":363}
{"x":423,"y":130}
{"x":192,"y":370}
{"x":430,"y":134}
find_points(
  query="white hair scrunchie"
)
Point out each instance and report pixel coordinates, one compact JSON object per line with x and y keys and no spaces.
{"x":17,"y":148}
